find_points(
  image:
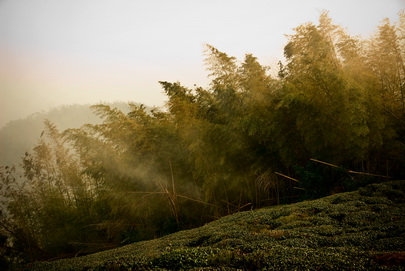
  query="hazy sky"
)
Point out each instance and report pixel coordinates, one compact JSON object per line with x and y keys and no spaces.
{"x":55,"y":52}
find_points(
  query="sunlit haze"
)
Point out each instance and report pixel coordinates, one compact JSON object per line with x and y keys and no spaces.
{"x":55,"y":52}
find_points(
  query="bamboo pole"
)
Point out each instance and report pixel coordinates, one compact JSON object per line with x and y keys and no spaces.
{"x":322,"y":162}
{"x":349,"y":171}
{"x":288,"y":177}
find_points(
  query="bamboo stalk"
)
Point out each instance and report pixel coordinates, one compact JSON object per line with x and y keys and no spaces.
{"x":368,"y":174}
{"x":243,"y":206}
{"x":349,"y":171}
{"x":322,"y":162}
{"x":165,"y":193}
{"x":288,"y":177}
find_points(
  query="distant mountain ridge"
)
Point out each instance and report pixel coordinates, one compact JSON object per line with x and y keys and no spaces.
{"x":18,"y":136}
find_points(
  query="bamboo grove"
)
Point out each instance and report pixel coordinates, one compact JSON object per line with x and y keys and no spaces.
{"x":332,"y":119}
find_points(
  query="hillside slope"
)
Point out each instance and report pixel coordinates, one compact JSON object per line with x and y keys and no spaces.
{"x":360,"y":230}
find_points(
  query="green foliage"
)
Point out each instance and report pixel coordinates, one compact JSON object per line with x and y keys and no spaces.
{"x":185,"y":258}
{"x":360,"y":230}
{"x":243,"y":143}
{"x":49,"y":210}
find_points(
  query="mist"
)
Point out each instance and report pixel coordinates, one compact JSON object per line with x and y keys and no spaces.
{"x":328,"y":119}
{"x":55,"y":53}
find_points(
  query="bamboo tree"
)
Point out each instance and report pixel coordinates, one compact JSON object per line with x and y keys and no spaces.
{"x":386,"y":60}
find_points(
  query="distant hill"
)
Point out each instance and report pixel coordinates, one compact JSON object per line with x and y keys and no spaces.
{"x":360,"y":230}
{"x":21,"y":135}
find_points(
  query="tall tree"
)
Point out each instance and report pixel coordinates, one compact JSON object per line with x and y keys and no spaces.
{"x":331,"y":103}
{"x":51,"y":205}
{"x":386,"y":54}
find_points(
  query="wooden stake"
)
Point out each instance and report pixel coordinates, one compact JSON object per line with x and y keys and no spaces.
{"x":288,"y":177}
{"x":349,"y":171}
{"x":322,"y":162}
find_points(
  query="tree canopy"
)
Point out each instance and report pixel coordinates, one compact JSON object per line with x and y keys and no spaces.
{"x":332,"y":120}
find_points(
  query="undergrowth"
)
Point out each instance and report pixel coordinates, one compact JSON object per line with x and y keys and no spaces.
{"x":360,"y":230}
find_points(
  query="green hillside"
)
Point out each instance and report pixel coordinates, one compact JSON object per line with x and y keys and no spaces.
{"x":328,"y":120}
{"x":360,"y":230}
